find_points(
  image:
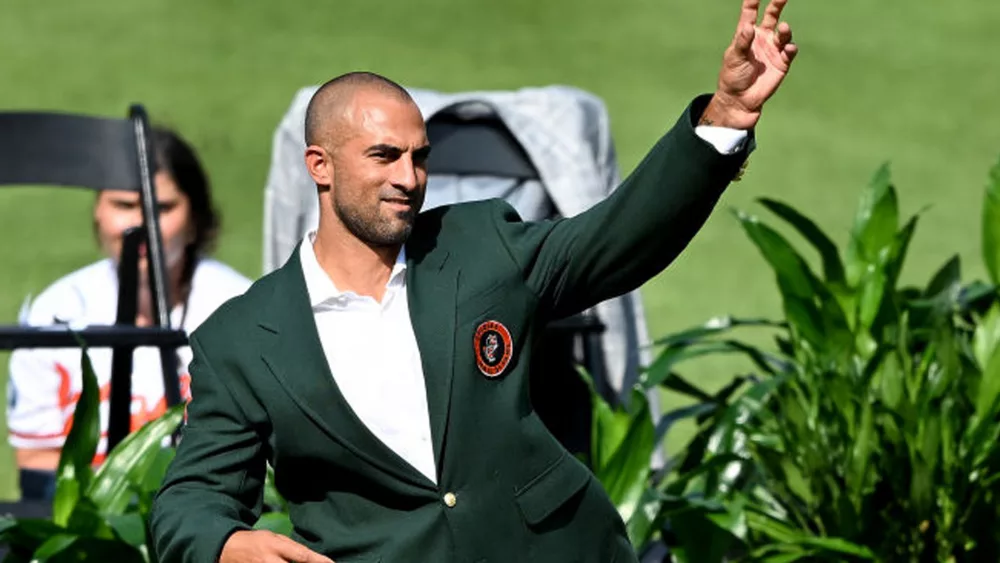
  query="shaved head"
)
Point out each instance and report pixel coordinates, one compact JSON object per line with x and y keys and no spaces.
{"x":331,"y":105}
{"x":366,"y":150}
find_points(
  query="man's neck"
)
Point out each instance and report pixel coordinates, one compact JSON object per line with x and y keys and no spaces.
{"x":353,"y":265}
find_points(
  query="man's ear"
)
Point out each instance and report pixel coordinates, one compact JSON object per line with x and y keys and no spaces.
{"x":320,"y":165}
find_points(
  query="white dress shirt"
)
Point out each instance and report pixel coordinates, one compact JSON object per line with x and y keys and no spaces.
{"x":372,"y":349}
{"x":373,"y":355}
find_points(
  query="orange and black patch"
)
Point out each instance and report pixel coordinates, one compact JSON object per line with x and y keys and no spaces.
{"x":494,"y":348}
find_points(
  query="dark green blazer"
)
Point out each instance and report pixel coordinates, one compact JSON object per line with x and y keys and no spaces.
{"x":482,"y":285}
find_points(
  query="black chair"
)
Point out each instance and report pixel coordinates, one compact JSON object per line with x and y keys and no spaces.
{"x":60,"y":149}
{"x":483,"y":145}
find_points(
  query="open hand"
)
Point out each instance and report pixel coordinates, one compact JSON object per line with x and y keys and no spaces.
{"x":753,"y":67}
{"x":263,"y":546}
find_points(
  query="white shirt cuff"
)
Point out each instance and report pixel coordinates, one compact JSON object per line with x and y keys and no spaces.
{"x":724,"y":139}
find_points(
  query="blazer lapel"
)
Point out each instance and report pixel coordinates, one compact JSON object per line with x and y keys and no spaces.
{"x":432,"y":293}
{"x":296,"y":358}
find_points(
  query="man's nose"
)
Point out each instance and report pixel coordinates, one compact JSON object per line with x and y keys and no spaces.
{"x":404,"y":174}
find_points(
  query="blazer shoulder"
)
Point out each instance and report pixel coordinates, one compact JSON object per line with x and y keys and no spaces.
{"x":458,"y":220}
{"x":239,"y":312}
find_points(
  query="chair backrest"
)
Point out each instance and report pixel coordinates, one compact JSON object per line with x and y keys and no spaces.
{"x":67,"y":150}
{"x":481,"y":146}
{"x":100,"y":153}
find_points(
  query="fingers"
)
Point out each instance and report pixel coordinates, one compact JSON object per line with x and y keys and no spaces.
{"x":748,"y":13}
{"x":783,"y":36}
{"x":790,"y":51}
{"x":772,"y":14}
{"x":290,"y":550}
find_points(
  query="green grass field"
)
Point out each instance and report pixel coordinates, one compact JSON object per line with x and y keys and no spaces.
{"x":914,"y":83}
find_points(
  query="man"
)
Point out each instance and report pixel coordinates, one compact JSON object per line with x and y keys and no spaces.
{"x":382,"y":370}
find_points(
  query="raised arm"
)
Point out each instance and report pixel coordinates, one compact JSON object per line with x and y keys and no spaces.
{"x":625,"y":240}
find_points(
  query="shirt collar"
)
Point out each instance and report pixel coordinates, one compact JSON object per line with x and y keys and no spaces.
{"x":319,"y":285}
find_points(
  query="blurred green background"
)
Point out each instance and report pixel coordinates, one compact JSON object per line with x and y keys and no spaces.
{"x":914,"y":83}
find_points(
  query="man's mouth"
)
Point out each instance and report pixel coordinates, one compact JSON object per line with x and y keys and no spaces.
{"x":404,"y":204}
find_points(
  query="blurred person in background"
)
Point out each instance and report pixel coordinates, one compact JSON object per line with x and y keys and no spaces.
{"x":45,"y":384}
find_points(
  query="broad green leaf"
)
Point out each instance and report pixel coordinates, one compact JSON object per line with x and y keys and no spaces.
{"x":28,"y":533}
{"x":921,"y":485}
{"x":833,"y":269}
{"x":157,"y":471}
{"x":729,"y":435}
{"x":734,"y":519}
{"x":126,"y":466}
{"x":691,"y":411}
{"x":861,"y":452}
{"x":838,"y":545}
{"x":793,"y":554}
{"x":646,"y":519}
{"x":66,"y":496}
{"x":877,"y":217}
{"x":272,"y":498}
{"x":791,"y":536}
{"x":873,"y":290}
{"x":95,"y":549}
{"x":986,"y":336}
{"x":789,"y":267}
{"x":946,"y":280}
{"x":989,"y":389}
{"x":687,"y":479}
{"x":950,"y":432}
{"x":87,"y":522}
{"x":713,"y":327}
{"x":130,"y":528}
{"x":778,"y":531}
{"x":701,"y":539}
{"x":74,"y":471}
{"x":875,"y":222}
{"x":930,"y":438}
{"x":53,"y":547}
{"x":805,"y":318}
{"x":896,"y":256}
{"x":277,"y":522}
{"x":991,"y":225}
{"x":607,"y":429}
{"x":890,"y":263}
{"x":675,"y":382}
{"x":626,"y":473}
{"x":661,"y":370}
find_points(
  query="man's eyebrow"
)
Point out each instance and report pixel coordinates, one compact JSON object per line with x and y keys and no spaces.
{"x":384,"y":147}
{"x":421,"y":153}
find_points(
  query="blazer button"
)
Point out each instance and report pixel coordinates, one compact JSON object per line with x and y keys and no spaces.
{"x":450,"y":499}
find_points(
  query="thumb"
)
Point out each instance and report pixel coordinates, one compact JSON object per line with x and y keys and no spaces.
{"x":743,"y":39}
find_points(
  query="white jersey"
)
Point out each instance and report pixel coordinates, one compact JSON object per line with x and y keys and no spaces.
{"x":45,"y":384}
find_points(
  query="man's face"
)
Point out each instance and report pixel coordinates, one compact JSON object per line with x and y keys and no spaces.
{"x":379,"y":169}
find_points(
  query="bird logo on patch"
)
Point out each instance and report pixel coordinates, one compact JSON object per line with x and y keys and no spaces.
{"x":494,"y":348}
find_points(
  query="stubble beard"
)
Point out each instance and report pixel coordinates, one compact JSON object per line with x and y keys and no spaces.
{"x":371,"y":228}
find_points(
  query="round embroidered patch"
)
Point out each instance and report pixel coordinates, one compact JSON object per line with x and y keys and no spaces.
{"x":494,"y":348}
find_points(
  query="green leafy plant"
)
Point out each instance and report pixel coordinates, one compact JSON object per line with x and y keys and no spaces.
{"x":97,"y":515}
{"x":870,"y":433}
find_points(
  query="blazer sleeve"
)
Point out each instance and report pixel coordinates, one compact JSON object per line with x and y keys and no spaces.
{"x":617,"y":245}
{"x":214,"y":485}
